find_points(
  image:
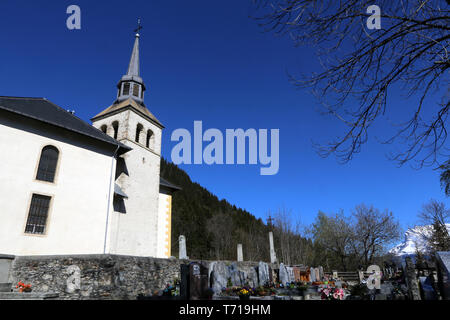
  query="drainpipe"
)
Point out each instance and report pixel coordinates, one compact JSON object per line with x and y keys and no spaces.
{"x":109,"y":198}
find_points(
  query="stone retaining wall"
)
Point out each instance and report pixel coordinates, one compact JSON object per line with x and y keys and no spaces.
{"x":106,"y":277}
{"x":95,"y":276}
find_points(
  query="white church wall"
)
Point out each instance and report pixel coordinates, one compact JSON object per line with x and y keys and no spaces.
{"x":136,"y":231}
{"x":78,"y":211}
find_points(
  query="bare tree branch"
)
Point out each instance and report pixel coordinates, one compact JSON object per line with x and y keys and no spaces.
{"x":362,"y":67}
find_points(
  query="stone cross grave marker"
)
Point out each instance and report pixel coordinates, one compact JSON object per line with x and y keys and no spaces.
{"x":273,"y":256}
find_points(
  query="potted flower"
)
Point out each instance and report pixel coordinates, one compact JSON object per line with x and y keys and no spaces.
{"x":244,"y":294}
{"x":23,"y":287}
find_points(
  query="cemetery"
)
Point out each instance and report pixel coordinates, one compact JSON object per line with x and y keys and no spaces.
{"x":112,"y":277}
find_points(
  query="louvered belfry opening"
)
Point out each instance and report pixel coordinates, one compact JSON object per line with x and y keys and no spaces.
{"x":126,"y":89}
{"x":136,"y":90}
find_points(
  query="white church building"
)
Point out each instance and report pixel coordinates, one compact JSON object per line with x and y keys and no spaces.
{"x":68,"y":187}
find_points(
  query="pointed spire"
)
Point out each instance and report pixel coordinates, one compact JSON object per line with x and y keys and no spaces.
{"x":133,"y":67}
{"x":131,"y":85}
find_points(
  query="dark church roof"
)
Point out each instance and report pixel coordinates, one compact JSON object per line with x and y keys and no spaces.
{"x":43,"y":110}
{"x":169,"y":185}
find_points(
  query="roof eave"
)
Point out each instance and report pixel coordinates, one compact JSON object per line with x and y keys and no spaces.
{"x":122,"y":147}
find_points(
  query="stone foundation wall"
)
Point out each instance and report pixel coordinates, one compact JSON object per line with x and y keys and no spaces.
{"x":95,"y":276}
{"x":114,"y":277}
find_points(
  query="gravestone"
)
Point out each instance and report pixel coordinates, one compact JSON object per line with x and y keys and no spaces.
{"x":411,"y":279}
{"x":305,"y":275}
{"x":316,"y":270}
{"x":283,"y":274}
{"x":184,"y":283}
{"x":238,"y":277}
{"x":252,"y":278}
{"x":263,"y":273}
{"x":5,"y":266}
{"x":219,"y":274}
{"x":182,"y":248}
{"x":297,"y":274}
{"x":240,"y":255}
{"x":321,"y":274}
{"x":273,"y":256}
{"x":427,"y":288}
{"x":290,"y":272}
{"x":443,"y":266}
{"x":198,"y":281}
{"x":273,"y":276}
{"x":312,"y":274}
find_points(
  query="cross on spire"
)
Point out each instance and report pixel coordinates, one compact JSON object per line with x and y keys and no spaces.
{"x":139,"y":28}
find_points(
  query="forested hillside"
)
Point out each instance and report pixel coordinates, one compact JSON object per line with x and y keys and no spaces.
{"x":214,"y":227}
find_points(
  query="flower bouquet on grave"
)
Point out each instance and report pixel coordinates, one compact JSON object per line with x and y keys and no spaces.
{"x":328,"y":293}
{"x":23,"y":287}
{"x":245,"y":293}
{"x":170,"y":291}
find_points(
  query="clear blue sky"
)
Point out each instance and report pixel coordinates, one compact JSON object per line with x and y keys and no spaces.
{"x":206,"y":60}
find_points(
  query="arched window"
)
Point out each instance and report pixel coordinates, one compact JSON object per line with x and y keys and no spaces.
{"x":149,"y":141}
{"x":139,"y":129}
{"x":47,"y":164}
{"x":104,"y":128}
{"x":115,"y":125}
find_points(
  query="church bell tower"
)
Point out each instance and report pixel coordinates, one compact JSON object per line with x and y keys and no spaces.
{"x":133,"y":225}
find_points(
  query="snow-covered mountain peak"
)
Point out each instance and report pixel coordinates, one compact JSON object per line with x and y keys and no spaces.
{"x":415,"y":237}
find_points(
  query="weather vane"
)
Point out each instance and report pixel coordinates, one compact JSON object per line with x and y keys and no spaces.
{"x":139,"y":28}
